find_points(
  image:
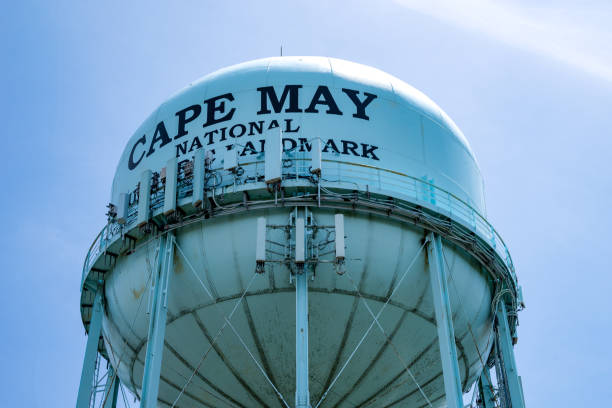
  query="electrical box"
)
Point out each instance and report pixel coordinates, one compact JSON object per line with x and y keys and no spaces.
{"x":170,"y":190}
{"x":122,"y":207}
{"x":300,"y":241}
{"x":230,"y":159}
{"x":144,"y":198}
{"x":339,"y":224}
{"x":315,"y":165}
{"x":273,"y":157}
{"x":260,"y":248}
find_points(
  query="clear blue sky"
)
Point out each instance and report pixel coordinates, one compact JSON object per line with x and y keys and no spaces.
{"x":530,"y":86}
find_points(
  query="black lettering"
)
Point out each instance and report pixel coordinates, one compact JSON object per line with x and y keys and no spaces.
{"x":212,"y":108}
{"x":369,"y":151}
{"x":273,"y":124}
{"x":181,"y":148}
{"x":304,"y":143}
{"x":360,"y":105}
{"x":262,"y":143}
{"x":195,"y":144}
{"x":237,"y":126}
{"x":332,"y":144}
{"x":268,"y":93}
{"x":292,"y":144}
{"x":183,"y":119}
{"x":209,"y":135}
{"x":288,"y":126}
{"x":322,"y":96}
{"x":248,"y":148}
{"x":258,"y":126}
{"x":160,"y":135}
{"x":131,"y":163}
{"x":349,"y":146}
{"x":223,"y":137}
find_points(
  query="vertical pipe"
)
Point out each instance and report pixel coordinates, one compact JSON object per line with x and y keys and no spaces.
{"x":504,"y":337}
{"x":444,"y":323}
{"x":302,"y":392}
{"x":111,"y":389}
{"x":157,"y":323}
{"x":91,"y":351}
{"x":302,"y":395}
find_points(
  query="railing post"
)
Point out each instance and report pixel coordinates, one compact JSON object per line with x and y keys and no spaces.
{"x":91,"y":351}
{"x":444,"y":322}
{"x":513,"y":382}
{"x":157,"y":323}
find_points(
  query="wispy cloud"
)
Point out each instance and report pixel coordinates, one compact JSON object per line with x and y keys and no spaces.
{"x":575,"y":34}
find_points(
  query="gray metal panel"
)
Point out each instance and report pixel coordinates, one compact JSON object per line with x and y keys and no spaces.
{"x":122,"y":207}
{"x":274,"y":154}
{"x":144,"y":198}
{"x":171,"y":182}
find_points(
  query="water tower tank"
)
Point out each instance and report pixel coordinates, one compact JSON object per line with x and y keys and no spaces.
{"x":279,"y":168}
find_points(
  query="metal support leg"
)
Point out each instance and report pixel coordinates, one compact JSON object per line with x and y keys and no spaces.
{"x":111,"y":389}
{"x":444,"y":323}
{"x":91,"y":352}
{"x":513,"y":382}
{"x":157,"y":323}
{"x":485,"y":389}
{"x":302,"y":393}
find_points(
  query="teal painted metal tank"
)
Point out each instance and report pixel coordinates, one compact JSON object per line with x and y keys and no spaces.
{"x":356,"y":141}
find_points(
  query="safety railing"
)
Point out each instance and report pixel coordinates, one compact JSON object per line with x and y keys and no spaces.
{"x":334,"y":173}
{"x":421,"y":192}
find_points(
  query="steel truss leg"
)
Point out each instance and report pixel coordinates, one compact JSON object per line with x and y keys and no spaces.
{"x":485,"y":389}
{"x":302,"y":393}
{"x":513,"y":382}
{"x":111,"y":389}
{"x":91,"y":352}
{"x":157,"y":323}
{"x":444,"y":322}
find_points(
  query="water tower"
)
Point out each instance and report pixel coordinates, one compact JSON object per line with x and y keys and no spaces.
{"x":299,"y":232}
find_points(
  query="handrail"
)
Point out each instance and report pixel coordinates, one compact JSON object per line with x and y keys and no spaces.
{"x":420,"y":190}
{"x":479,"y":220}
{"x":86,"y":265}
